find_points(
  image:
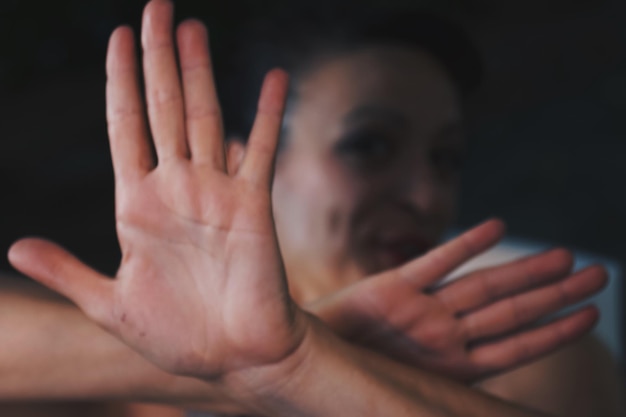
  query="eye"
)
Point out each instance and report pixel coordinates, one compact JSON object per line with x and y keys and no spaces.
{"x":365,"y":147}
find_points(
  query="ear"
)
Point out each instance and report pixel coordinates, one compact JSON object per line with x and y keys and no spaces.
{"x":235,"y":151}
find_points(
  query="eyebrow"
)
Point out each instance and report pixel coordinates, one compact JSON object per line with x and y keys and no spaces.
{"x":396,"y":118}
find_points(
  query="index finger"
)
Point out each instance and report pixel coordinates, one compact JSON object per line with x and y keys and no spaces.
{"x":257,"y":165}
{"x":127,"y":128}
{"x":441,"y":261}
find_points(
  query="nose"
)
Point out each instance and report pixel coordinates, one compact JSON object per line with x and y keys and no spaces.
{"x":418,"y":185}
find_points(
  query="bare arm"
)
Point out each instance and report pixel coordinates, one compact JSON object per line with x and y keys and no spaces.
{"x":55,"y":352}
{"x":331,"y":377}
{"x":48,"y":345}
{"x":121,"y":374}
{"x":201,"y":290}
{"x":55,"y":361}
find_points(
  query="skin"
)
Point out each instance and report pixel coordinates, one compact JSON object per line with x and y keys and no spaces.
{"x":369,"y":176}
{"x":319,"y":194}
{"x":240,"y":211}
{"x":591,"y":387}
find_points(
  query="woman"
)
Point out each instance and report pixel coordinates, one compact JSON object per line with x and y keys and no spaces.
{"x":383,"y":210}
{"x":370,"y":167}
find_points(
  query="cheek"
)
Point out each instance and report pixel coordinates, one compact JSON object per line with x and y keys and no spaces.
{"x":313,"y":202}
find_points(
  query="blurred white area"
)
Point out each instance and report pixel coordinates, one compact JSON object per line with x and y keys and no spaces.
{"x":608,"y":301}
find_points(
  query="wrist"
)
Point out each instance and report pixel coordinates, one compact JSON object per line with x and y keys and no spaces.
{"x":314,"y":381}
{"x":275,"y":388}
{"x":328,"y":376}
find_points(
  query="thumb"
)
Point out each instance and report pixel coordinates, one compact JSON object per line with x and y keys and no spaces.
{"x":59,"y":270}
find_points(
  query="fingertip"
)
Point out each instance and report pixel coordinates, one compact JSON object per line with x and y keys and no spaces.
{"x":551,"y":265}
{"x":563,"y":257}
{"x":121,"y":49}
{"x":120,"y":33}
{"x":496,"y":223}
{"x":594,"y":278}
{"x":279,"y":74}
{"x":13,"y":254}
{"x":493,"y":228}
{"x":19,"y":251}
{"x":581,"y":321}
{"x":487,"y":233}
{"x":280,"y":78}
{"x":499,"y":225}
{"x":602,"y":272}
{"x":155,"y":14}
{"x":56,"y":268}
{"x":192,"y":38}
{"x":274,"y":91}
{"x":602,"y":276}
{"x":192,"y":26}
{"x":153,"y":8}
{"x":35,"y":258}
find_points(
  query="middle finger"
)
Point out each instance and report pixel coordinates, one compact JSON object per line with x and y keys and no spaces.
{"x":489,"y":285}
{"x":202,"y":109}
{"x":163,"y":92}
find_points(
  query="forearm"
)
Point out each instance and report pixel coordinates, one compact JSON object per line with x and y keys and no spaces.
{"x":52,"y":351}
{"x":330,"y":377}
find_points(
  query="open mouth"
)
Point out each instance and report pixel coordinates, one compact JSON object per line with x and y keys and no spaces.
{"x":390,"y":234}
{"x":390,"y":254}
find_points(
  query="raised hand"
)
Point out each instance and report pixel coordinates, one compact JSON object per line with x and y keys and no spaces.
{"x":474,"y":327}
{"x":201,"y":288}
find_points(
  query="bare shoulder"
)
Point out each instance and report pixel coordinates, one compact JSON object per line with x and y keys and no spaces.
{"x":581,"y":380}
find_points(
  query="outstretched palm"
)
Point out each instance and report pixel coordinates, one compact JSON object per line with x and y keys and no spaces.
{"x":201,"y":244}
{"x":201,"y":288}
{"x":474,"y":327}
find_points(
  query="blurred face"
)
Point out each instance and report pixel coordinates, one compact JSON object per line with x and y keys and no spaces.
{"x":369,"y":175}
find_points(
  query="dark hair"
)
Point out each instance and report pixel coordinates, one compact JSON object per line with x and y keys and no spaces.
{"x":294,"y":41}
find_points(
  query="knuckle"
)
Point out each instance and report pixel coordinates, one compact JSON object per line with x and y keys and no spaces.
{"x":117,"y":114}
{"x":156,"y":43}
{"x":199,"y":112}
{"x":164,"y":97}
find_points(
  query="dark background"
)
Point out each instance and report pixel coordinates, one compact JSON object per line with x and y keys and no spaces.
{"x":548,"y":127}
